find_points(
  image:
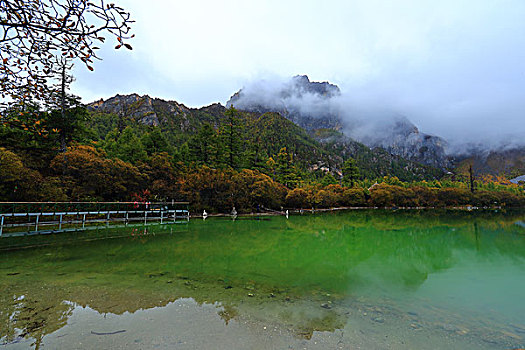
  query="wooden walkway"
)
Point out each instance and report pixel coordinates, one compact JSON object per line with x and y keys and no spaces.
{"x":30,"y":218}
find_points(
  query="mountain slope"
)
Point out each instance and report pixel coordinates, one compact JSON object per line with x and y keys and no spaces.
{"x":507,"y":162}
{"x":179,"y":124}
{"x":375,"y":162}
{"x":314,"y":105}
{"x":268,"y":131}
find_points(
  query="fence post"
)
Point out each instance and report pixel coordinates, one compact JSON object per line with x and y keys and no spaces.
{"x":1,"y":225}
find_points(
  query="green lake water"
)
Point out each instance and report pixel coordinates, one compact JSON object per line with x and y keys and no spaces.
{"x":353,"y":279}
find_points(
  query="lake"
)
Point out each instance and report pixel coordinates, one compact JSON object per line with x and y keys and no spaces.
{"x":369,"y":279}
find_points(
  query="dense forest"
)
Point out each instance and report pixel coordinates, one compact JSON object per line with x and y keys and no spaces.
{"x":215,"y":158}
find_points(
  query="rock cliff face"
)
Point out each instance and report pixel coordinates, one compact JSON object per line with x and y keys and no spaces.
{"x":400,"y":137}
{"x":143,"y":109}
{"x":314,"y":105}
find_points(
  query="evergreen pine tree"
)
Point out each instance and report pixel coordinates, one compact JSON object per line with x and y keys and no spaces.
{"x":126,"y":146}
{"x":286,"y":172}
{"x":350,"y":172}
{"x":155,"y":142}
{"x":203,"y":146}
{"x":328,"y":179}
{"x":231,"y":139}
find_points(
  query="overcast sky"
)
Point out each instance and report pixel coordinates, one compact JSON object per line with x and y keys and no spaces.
{"x":455,"y":68}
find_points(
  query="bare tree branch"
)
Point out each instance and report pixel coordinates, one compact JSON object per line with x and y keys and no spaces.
{"x":36,"y":35}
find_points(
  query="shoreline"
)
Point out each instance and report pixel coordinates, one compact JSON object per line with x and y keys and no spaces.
{"x":323,"y":210}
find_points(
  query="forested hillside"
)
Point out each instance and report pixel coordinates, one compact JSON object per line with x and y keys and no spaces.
{"x":263,"y":135}
{"x":503,"y":162}
{"x":138,"y":148}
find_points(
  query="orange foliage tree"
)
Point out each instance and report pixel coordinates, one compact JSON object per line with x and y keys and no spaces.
{"x":89,"y":175}
{"x":384,"y":195}
{"x":298,"y":198}
{"x":221,"y":189}
{"x":162,"y":174}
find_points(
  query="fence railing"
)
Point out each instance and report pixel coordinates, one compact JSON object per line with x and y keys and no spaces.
{"x":23,"y":218}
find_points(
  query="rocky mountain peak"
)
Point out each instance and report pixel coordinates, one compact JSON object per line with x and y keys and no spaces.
{"x":134,"y":106}
{"x":303,"y":85}
{"x":143,"y":109}
{"x":302,"y":101}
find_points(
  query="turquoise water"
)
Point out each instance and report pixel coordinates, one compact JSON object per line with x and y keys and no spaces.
{"x":453,"y":276}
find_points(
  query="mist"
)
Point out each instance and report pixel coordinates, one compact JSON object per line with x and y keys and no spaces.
{"x":484,"y":118}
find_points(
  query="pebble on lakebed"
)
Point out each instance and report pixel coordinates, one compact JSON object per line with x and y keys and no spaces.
{"x":378,"y":320}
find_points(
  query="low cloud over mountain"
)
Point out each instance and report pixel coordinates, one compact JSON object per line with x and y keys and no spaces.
{"x":318,"y":105}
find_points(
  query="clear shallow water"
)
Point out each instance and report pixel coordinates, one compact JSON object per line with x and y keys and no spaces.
{"x":369,"y":279}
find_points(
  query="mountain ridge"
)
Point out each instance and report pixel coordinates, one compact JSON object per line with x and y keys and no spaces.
{"x":181,"y":123}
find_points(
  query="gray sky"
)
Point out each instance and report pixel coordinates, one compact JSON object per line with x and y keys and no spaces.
{"x":454,"y":68}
